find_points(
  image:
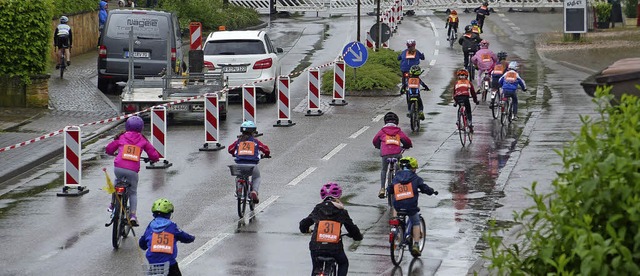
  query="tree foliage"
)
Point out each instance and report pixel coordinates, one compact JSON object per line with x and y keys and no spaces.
{"x":212,"y":13}
{"x":589,"y":224}
{"x":69,"y":7}
{"x":380,"y":72}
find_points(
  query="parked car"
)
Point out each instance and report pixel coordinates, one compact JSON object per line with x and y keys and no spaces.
{"x":245,"y":57}
{"x":152,"y":30}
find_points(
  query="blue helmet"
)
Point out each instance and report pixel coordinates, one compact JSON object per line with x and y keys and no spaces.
{"x":474,"y":22}
{"x":134,"y":123}
{"x":64,"y":20}
{"x":248,"y":126}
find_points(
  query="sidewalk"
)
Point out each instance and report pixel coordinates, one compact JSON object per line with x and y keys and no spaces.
{"x":72,"y":101}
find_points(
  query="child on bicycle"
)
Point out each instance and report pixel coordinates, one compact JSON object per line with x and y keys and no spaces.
{"x":413,"y":84}
{"x":509,"y":82}
{"x":328,"y":217}
{"x":462,"y":90}
{"x":408,"y":58}
{"x":469,"y":42}
{"x":405,"y":191}
{"x":452,"y":24}
{"x":391,"y":141}
{"x":63,"y":40}
{"x":129,"y":146}
{"x":246,"y":150}
{"x":496,"y":74}
{"x":484,"y":60}
{"x":162,"y":235}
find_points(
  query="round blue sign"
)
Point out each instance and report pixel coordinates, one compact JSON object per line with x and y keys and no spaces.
{"x":355,"y":54}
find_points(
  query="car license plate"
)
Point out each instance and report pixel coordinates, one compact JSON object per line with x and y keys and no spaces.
{"x":234,"y":69}
{"x":137,"y":54}
{"x":179,"y":107}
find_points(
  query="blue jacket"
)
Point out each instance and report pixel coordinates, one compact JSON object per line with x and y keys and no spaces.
{"x":102,"y":14}
{"x":510,"y":81}
{"x":166,"y":229}
{"x":409,"y":204}
{"x":406,"y":63}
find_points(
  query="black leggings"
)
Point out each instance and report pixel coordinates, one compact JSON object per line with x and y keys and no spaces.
{"x":341,"y":260}
{"x":174,"y":270}
{"x":467,"y":105}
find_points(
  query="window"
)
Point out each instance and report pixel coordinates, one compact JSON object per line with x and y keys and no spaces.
{"x":234,"y":47}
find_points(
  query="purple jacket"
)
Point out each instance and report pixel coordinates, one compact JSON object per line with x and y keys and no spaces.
{"x":390,"y":140}
{"x":485,"y":59}
{"x":131,"y":138}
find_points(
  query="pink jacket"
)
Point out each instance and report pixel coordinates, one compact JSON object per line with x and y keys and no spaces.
{"x":390,"y":140}
{"x":135,"y":143}
{"x":485,"y":59}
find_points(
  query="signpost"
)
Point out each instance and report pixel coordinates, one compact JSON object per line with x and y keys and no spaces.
{"x":575,"y":17}
{"x":385,"y":33}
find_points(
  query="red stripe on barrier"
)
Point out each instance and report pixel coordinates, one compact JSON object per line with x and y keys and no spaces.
{"x":70,"y":180}
{"x":157,"y":131}
{"x":72,"y":157}
{"x":283,"y":99}
{"x":249,"y":108}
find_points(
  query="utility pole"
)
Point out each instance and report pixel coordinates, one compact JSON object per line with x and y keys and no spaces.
{"x":358,"y":21}
{"x":379,"y":25}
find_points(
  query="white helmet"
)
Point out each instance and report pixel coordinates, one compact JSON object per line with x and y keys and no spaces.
{"x":64,"y":20}
{"x":513,"y":65}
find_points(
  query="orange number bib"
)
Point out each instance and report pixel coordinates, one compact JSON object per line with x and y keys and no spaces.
{"x":246,"y":148}
{"x":410,"y":55}
{"x":162,"y":243}
{"x":328,"y":231}
{"x":414,"y":82}
{"x":486,"y":57}
{"x":393,"y":140}
{"x":511,"y":77}
{"x":403,"y":191}
{"x":131,"y":153}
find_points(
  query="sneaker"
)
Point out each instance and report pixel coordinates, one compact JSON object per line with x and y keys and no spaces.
{"x":57,"y":66}
{"x":415,"y":250}
{"x":421,"y":114}
{"x":514,"y":118}
{"x":254,"y":197}
{"x":110,"y":208}
{"x":408,"y":114}
{"x":68,"y":63}
{"x":381,"y":193}
{"x":134,"y":220}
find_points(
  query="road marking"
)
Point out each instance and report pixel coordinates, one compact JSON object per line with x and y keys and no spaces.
{"x":299,"y":178}
{"x":511,"y":24}
{"x":203,"y":249}
{"x":505,"y":19}
{"x":377,"y":118}
{"x":435,"y":53}
{"x":262,"y":206}
{"x":501,"y":14}
{"x":432,"y":63}
{"x":437,"y":42}
{"x":520,"y":32}
{"x":334,"y":151}
{"x":355,"y":134}
{"x":515,"y":28}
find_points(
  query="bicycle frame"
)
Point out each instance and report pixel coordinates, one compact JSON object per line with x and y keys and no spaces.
{"x":328,"y":266}
{"x":243,"y":186}
{"x":486,"y":85}
{"x":406,"y":239}
{"x":414,"y":116}
{"x":505,"y":109}
{"x":391,"y":173}
{"x":463,"y":124}
{"x":63,"y":61}
{"x":120,"y":214}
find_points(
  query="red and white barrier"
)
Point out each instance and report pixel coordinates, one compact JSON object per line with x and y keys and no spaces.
{"x":284,"y":103}
{"x":338,"y":83}
{"x":195,"y":33}
{"x":159,"y":135}
{"x":370,"y":43}
{"x":313,"y":92}
{"x":211,"y":120}
{"x":249,"y":103}
{"x":72,"y":162}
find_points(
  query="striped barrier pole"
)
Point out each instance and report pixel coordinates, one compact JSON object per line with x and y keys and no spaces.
{"x":338,"y":83}
{"x":284,"y":103}
{"x":159,"y":135}
{"x":72,"y":162}
{"x":211,"y":120}
{"x":313,"y":95}
{"x":249,"y":105}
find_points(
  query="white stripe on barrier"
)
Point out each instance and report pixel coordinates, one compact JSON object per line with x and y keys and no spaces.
{"x":159,"y":130}
{"x":249,"y":103}
{"x":211,"y":113}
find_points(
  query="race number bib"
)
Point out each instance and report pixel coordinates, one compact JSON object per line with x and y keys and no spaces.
{"x":162,"y":243}
{"x":328,"y":231}
{"x":485,"y":57}
{"x":403,"y":191}
{"x":511,"y":77}
{"x":247,"y":148}
{"x":414,"y":82}
{"x":393,"y":140}
{"x":131,"y":153}
{"x":410,"y":55}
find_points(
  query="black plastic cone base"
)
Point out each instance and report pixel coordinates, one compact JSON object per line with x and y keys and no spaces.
{"x":283,"y":123}
{"x":68,"y":191}
{"x":314,"y":113}
{"x":165,"y":164}
{"x":215,"y":147}
{"x":339,"y":102}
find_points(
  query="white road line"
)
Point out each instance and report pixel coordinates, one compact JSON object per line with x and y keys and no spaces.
{"x":505,"y":19}
{"x":433,"y":27}
{"x":511,"y":24}
{"x":357,"y":133}
{"x":501,"y":14}
{"x":261,"y":207}
{"x":520,"y":32}
{"x":334,"y":151}
{"x":203,"y":249}
{"x":377,"y":118}
{"x":299,"y":178}
{"x":437,"y":42}
{"x":432,"y":62}
{"x":435,"y":53}
{"x":515,"y":28}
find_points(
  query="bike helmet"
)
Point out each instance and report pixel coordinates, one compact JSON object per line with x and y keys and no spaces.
{"x":331,"y":189}
{"x":502,"y":55}
{"x":415,"y":70}
{"x":484,"y":44}
{"x":162,"y":205}
{"x":408,"y":162}
{"x":411,"y":43}
{"x":134,"y":123}
{"x":64,"y":20}
{"x":391,"y":117}
{"x":474,"y":22}
{"x":513,"y":65}
{"x":467,"y":29}
{"x":485,"y":4}
{"x":454,"y":12}
{"x":462,"y":73}
{"x":248,"y":126}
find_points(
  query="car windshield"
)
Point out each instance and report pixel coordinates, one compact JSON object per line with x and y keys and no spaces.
{"x":234,"y":47}
{"x":146,"y":26}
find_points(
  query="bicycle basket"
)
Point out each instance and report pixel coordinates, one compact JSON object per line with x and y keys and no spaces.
{"x":159,"y":269}
{"x":241,"y":170}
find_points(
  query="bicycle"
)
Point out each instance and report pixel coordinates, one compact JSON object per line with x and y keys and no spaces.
{"x":391,"y":173}
{"x":495,"y":95}
{"x":244,"y":185}
{"x":464,"y":131}
{"x":401,"y":236}
{"x":63,"y":61}
{"x":328,"y":265}
{"x":405,"y":77}
{"x":452,"y":38}
{"x":486,"y":85}
{"x":157,"y":269}
{"x":470,"y":67}
{"x":506,"y":109}
{"x":414,"y":113}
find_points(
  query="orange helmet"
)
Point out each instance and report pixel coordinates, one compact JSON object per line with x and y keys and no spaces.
{"x":462,"y":73}
{"x":454,"y":12}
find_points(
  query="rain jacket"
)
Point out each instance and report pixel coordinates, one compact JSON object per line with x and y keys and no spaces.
{"x":407,"y":62}
{"x":253,"y":155}
{"x":390,"y":140}
{"x":131,"y":138}
{"x":408,"y":200}
{"x":167,"y":230}
{"x":481,"y":12}
{"x":63,"y":36}
{"x":510,"y":81}
{"x":102,"y":14}
{"x":329,"y":212}
{"x":469,"y":42}
{"x":485,"y":59}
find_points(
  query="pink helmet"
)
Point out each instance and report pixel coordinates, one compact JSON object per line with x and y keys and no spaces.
{"x":484,"y":44}
{"x":331,"y":189}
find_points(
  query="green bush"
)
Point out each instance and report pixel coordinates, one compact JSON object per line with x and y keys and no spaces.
{"x":380,"y":72}
{"x":211,"y":14}
{"x":24,"y":50}
{"x":589,"y":224}
{"x":631,"y":8}
{"x":603,"y":10}
{"x":69,"y":7}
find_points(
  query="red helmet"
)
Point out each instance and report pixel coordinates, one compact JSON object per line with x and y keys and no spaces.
{"x":330,"y":189}
{"x":454,"y":12}
{"x":462,"y":73}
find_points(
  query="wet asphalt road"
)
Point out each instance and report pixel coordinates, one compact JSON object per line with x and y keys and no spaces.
{"x":43,"y":234}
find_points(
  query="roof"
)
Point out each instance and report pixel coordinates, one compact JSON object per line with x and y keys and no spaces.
{"x":235,"y":35}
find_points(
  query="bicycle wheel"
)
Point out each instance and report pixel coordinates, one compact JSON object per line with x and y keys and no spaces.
{"x":461,"y":127}
{"x":423,"y":237}
{"x":396,"y":241}
{"x":503,"y":111}
{"x":117,"y":225}
{"x":63,"y":64}
{"x":390,"y":176}
{"x":451,"y":39}
{"x":415,"y":121}
{"x":126,"y":226}
{"x":252,"y":205}
{"x":510,"y":111}
{"x":494,"y":107}
{"x":242,"y":202}
{"x":485,"y":90}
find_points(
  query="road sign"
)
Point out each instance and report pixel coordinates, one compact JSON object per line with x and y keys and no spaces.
{"x":386,"y":32}
{"x":575,"y":16}
{"x":355,"y":54}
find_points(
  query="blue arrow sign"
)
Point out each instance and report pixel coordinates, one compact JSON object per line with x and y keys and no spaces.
{"x":355,"y":54}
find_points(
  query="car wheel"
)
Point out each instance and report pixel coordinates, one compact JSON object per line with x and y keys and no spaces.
{"x":271,"y":97}
{"x":103,"y":85}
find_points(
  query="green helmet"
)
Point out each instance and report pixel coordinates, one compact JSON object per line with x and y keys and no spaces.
{"x":415,"y":70}
{"x":409,"y":162}
{"x":162,"y":205}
